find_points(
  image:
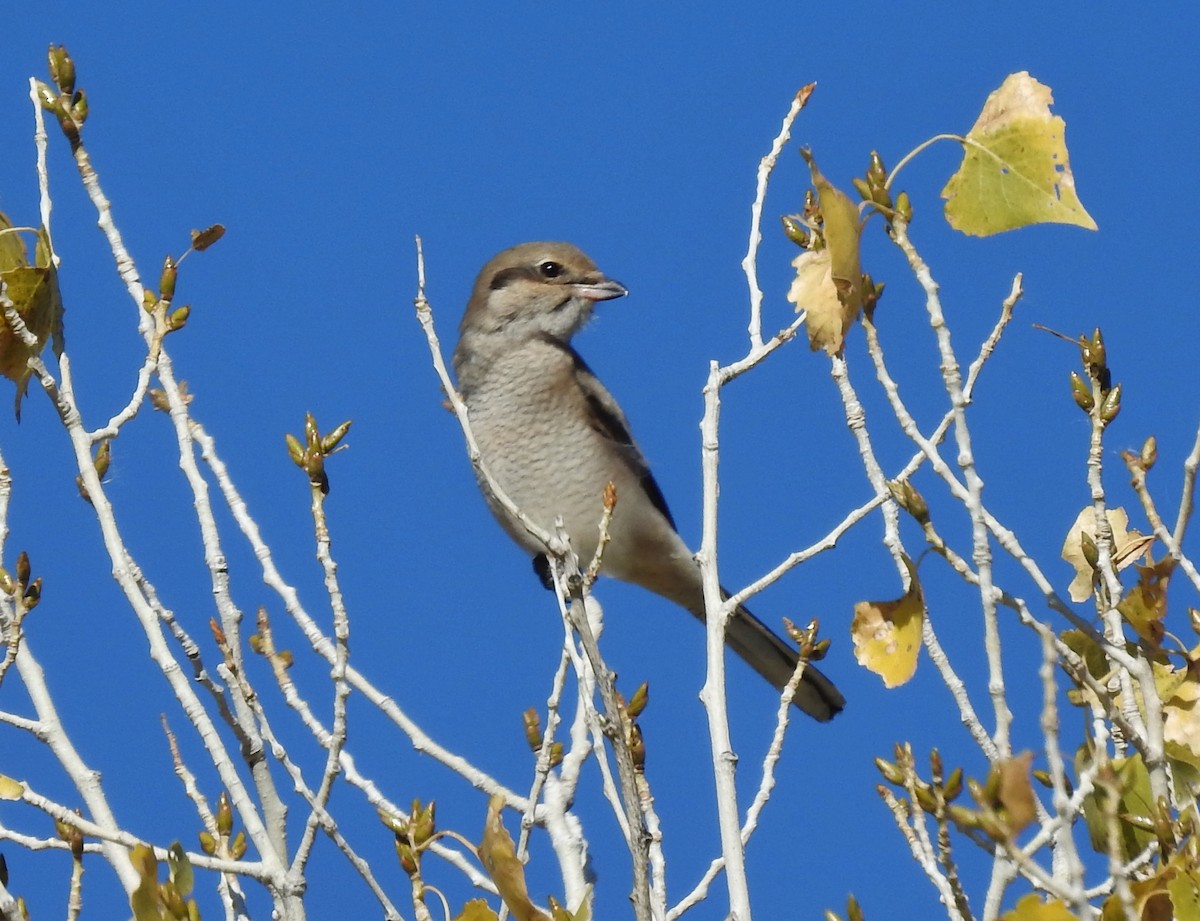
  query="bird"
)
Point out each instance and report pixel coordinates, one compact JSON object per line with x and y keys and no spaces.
{"x":552,"y":436}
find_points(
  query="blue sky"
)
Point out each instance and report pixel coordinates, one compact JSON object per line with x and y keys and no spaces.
{"x":325,"y":139}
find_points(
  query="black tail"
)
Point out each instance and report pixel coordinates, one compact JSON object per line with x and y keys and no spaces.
{"x":775,"y":660}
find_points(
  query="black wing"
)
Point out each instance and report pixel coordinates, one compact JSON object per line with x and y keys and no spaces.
{"x":606,"y":417}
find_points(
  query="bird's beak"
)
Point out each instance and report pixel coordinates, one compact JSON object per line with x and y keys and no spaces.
{"x":604,"y":290}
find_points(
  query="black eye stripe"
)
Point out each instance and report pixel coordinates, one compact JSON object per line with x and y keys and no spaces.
{"x":547,"y":270}
{"x":506,"y":277}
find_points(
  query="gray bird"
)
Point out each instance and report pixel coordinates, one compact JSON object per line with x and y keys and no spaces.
{"x":553,"y":437}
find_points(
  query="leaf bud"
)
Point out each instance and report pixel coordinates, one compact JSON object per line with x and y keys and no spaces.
{"x":23,"y":568}
{"x":1091,"y":553}
{"x":812,"y":210}
{"x":49,"y":99}
{"x":62,"y":69}
{"x":33,"y":594}
{"x":224,"y":815}
{"x":330,"y":441}
{"x":862,"y":187}
{"x":79,"y":106}
{"x":166,"y":280}
{"x":925,"y":798}
{"x":637,"y":748}
{"x":963,"y":817}
{"x":976,"y":789}
{"x":954,"y":784}
{"x":208,"y":843}
{"x":876,"y":171}
{"x":295,"y":450}
{"x":909,"y":499}
{"x":103,"y":458}
{"x":237,"y":847}
{"x":904,"y":207}
{"x":935,"y":762}
{"x":533,"y":728}
{"x":179,"y":318}
{"x":1081,"y":392}
{"x":404,"y":851}
{"x":1111,"y":405}
{"x":1094,"y":352}
{"x":991,"y":826}
{"x":795,"y":231}
{"x":1149,"y":453}
{"x":637,"y":703}
{"x":423,"y":825}
{"x":891,"y":772}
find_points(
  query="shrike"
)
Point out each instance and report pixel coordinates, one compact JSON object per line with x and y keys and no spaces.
{"x":553,"y":437}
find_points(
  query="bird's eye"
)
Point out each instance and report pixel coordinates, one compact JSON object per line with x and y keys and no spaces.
{"x":551,"y":269}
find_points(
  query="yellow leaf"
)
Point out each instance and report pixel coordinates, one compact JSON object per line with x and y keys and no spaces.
{"x":1150,"y":900}
{"x":144,"y":900}
{"x":1031,"y":908}
{"x":476,"y":910}
{"x":813,"y":291}
{"x":1128,"y":547}
{"x":1184,"y":889}
{"x":1181,"y":719}
{"x":837,"y":266}
{"x":11,"y":789}
{"x":499,"y":857}
{"x":1015,"y":168}
{"x":887,"y":634}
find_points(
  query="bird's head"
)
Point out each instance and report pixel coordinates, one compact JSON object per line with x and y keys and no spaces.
{"x":537,"y":289}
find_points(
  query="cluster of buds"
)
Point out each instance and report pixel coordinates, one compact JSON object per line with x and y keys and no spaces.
{"x":100,"y":463}
{"x":413,"y":833}
{"x":536,"y":739}
{"x":1095,"y":394}
{"x":873,"y":188}
{"x":169,"y":899}
{"x":71,"y":835}
{"x":634,"y":708}
{"x":310,"y":456}
{"x":29,"y":593}
{"x":935,"y":796}
{"x":158,"y":303}
{"x":812,"y":649}
{"x":909,"y":499}
{"x":66,"y":103}
{"x":224,"y":843}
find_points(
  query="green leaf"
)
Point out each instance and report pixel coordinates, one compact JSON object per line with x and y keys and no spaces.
{"x":33,"y":290}
{"x":1015,"y":169}
{"x":181,"y":869}
{"x":12,"y":247}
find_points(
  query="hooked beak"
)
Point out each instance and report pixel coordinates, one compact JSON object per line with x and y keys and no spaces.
{"x":604,"y":290}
